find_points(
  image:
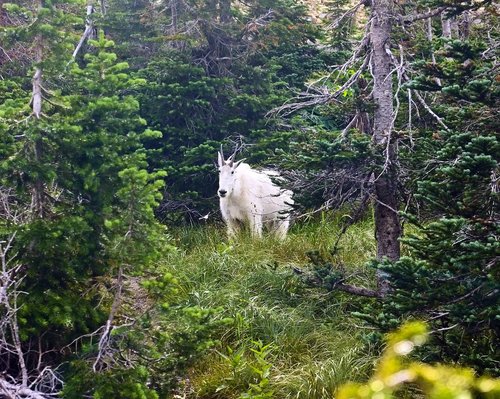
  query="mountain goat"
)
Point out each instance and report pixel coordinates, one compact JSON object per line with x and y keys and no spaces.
{"x":250,"y":196}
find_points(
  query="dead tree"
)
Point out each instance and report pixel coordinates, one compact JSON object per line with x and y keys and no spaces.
{"x":38,"y":191}
{"x":387,"y":224}
{"x":18,"y":379}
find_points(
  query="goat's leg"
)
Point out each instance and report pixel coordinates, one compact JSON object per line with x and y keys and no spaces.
{"x":232,"y":229}
{"x":256,"y":225}
{"x":281,"y":228}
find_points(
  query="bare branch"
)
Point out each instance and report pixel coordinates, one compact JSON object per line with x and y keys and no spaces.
{"x":430,"y":111}
{"x":340,"y":286}
{"x":321,"y":95}
{"x":104,"y":341}
{"x":89,"y":26}
{"x":15,"y":391}
{"x":29,"y":383}
{"x":429,"y":14}
{"x":349,"y":13}
{"x":360,"y":291}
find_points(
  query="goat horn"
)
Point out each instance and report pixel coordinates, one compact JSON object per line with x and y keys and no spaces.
{"x":236,"y":164}
{"x":221,"y":157}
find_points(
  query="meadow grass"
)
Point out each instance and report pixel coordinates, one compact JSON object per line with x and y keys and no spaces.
{"x":314,"y":343}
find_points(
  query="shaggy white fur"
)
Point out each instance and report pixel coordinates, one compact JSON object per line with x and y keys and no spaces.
{"x":250,"y":196}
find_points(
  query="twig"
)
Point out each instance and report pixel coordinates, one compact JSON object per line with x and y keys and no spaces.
{"x":430,"y":111}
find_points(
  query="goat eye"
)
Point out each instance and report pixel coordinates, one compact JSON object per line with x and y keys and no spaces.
{"x":232,"y":172}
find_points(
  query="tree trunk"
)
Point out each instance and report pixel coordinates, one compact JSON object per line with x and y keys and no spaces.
{"x":3,"y":14}
{"x":225,"y":11}
{"x":445,"y":26}
{"x":464,"y":25}
{"x":174,"y":9}
{"x":429,"y":38}
{"x":36,"y":102}
{"x":89,"y":28}
{"x":387,"y":224}
{"x":103,"y":7}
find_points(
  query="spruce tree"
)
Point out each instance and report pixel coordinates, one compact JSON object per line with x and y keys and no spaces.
{"x":450,"y":276}
{"x":75,"y":190}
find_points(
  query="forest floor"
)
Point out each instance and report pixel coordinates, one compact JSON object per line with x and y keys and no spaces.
{"x":286,"y":336}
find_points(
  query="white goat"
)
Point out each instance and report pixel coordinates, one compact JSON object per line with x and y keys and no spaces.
{"x":250,"y":196}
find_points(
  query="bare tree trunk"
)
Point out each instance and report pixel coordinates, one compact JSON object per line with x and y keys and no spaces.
{"x":446,"y":26}
{"x":2,"y":13}
{"x":36,"y":98}
{"x":36,"y":102}
{"x":103,"y":7}
{"x":464,"y":25}
{"x":225,"y":11}
{"x":429,"y":38}
{"x":174,"y":10}
{"x":387,"y":224}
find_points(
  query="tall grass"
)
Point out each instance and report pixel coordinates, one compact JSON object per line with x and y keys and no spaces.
{"x":315,"y":345}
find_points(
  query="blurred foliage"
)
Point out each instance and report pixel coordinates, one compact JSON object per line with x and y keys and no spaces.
{"x":395,"y":373}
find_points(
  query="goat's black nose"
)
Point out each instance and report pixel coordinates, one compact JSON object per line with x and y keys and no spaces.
{"x":222,"y":193}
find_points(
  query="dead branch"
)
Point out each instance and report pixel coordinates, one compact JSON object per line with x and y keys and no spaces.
{"x":347,"y":14}
{"x":253,"y":26}
{"x":16,"y":391}
{"x":104,"y":341}
{"x":315,"y":96}
{"x":25,"y":383}
{"x":89,"y":27}
{"x":338,"y":286}
{"x":416,"y":17}
{"x":430,"y":111}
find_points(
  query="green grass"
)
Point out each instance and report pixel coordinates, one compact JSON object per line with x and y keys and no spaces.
{"x":315,"y":344}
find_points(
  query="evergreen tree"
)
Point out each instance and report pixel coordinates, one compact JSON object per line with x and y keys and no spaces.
{"x":450,"y":276}
{"x":75,"y":189}
{"x":447,"y":166}
{"x":216,"y":84}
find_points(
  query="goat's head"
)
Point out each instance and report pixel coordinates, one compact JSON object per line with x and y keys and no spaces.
{"x":227,"y":174}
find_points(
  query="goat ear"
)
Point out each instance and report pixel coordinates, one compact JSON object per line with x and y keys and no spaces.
{"x":236,"y":164}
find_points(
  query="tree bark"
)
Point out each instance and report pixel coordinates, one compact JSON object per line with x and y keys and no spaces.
{"x":387,"y":223}
{"x":225,"y":11}
{"x":445,"y":26}
{"x":430,"y":38}
{"x":174,"y":9}
{"x":464,"y":24}
{"x":36,"y":100}
{"x":89,"y":27}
